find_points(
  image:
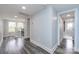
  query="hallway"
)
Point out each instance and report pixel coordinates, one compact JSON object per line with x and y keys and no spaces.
{"x":66,"y":47}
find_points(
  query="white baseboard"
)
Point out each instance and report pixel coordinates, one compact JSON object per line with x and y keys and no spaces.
{"x":51,"y":51}
{"x":55,"y":47}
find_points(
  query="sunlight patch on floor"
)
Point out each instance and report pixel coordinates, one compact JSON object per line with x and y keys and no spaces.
{"x":69,"y":44}
{"x":14,"y":46}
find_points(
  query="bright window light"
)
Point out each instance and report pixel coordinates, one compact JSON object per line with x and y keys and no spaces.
{"x":23,"y":7}
{"x":69,"y":25}
{"x":12,"y":26}
{"x":69,"y":44}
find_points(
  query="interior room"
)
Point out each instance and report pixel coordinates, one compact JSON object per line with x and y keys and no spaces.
{"x":39,"y":29}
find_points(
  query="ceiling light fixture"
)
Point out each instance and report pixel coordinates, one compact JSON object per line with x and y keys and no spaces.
{"x":15,"y":16}
{"x":23,"y":7}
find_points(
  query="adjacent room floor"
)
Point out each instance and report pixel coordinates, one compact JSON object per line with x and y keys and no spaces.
{"x":66,"y":47}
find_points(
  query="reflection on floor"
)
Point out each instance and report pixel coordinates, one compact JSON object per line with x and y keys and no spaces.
{"x":18,"y":46}
{"x":33,"y":49}
{"x":66,"y":47}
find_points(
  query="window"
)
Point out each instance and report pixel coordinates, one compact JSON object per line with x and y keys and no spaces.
{"x":12,"y":26}
{"x":69,"y":26}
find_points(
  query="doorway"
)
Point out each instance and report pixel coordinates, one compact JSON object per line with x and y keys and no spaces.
{"x":66,"y":31}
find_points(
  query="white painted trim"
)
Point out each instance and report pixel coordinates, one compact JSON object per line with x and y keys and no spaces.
{"x":75,"y":22}
{"x":55,"y":47}
{"x":58,"y":30}
{"x":1,"y":34}
{"x":1,"y":42}
{"x":51,"y":51}
{"x":66,"y":11}
{"x":36,"y":43}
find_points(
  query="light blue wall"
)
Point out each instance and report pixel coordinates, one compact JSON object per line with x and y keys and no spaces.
{"x":77,"y":29}
{"x":44,"y":29}
{"x":54,"y":24}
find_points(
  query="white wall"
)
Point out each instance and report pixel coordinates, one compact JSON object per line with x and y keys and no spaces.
{"x":28,"y":28}
{"x":43,"y":27}
{"x":5,"y":26}
{"x":25,"y":30}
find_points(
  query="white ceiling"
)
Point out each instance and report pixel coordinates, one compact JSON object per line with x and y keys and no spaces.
{"x":11,"y":10}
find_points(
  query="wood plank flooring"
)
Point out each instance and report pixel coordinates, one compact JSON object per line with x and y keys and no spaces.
{"x":28,"y":48}
{"x":66,"y":47}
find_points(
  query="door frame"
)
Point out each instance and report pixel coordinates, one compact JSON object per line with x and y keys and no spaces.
{"x":1,"y":33}
{"x":75,"y":13}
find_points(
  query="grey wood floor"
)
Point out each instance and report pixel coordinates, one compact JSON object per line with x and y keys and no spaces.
{"x":33,"y":49}
{"x":28,"y":48}
{"x":66,"y":47}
